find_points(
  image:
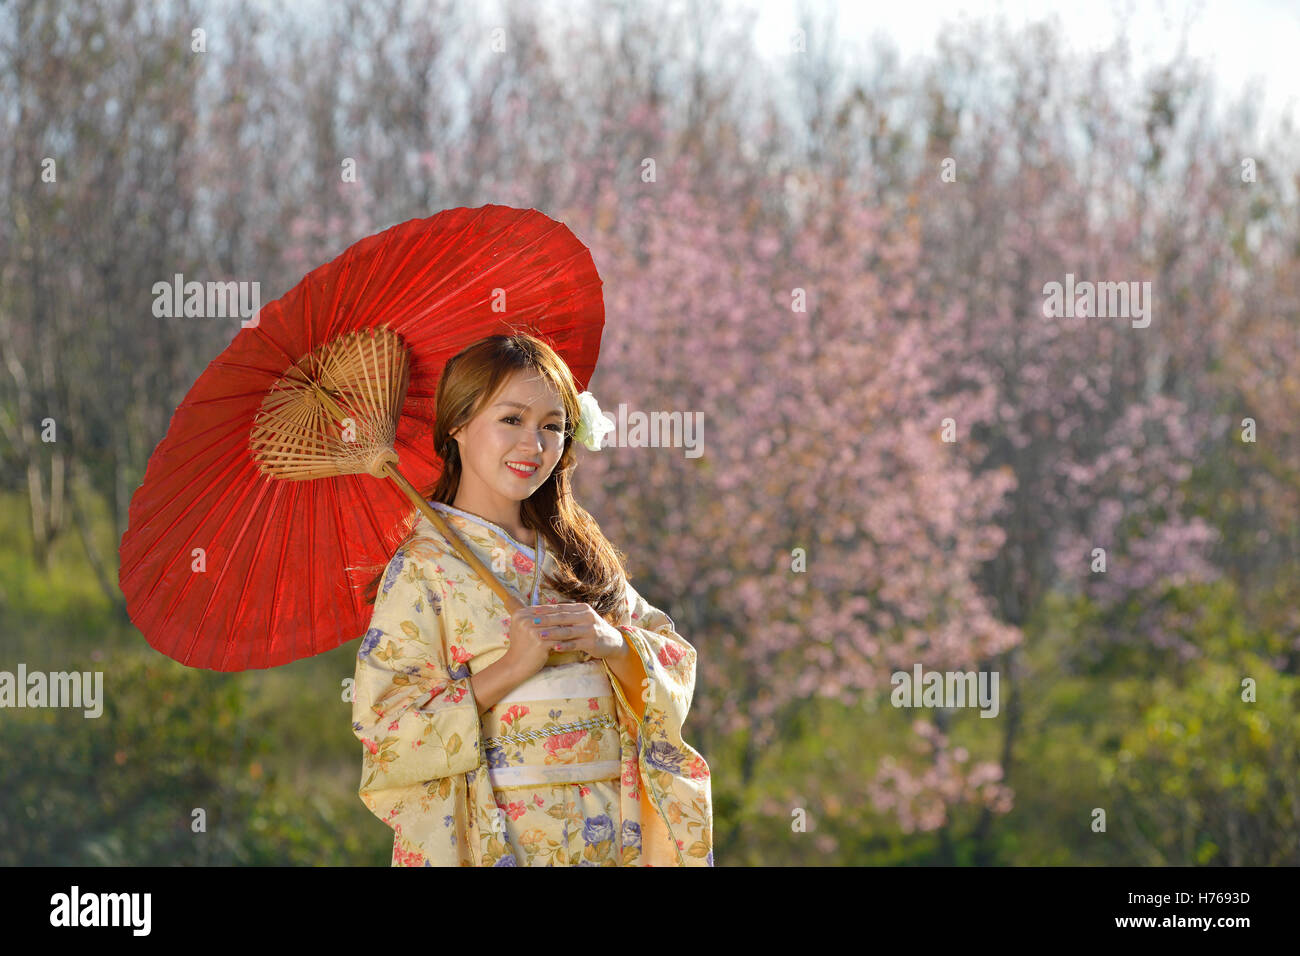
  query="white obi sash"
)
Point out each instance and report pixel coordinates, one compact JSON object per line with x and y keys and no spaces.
{"x":555,"y":735}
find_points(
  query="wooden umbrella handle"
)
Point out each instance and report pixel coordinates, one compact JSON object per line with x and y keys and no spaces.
{"x":385,"y":465}
{"x":512,"y":603}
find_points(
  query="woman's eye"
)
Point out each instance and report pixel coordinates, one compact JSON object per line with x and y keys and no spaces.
{"x":515,"y":418}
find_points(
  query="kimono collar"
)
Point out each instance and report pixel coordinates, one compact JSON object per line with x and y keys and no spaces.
{"x":531,"y":553}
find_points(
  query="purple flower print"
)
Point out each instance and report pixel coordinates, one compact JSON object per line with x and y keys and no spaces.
{"x":369,"y":642}
{"x":394,"y":569}
{"x":433,"y":597}
{"x":507,"y":860}
{"x":631,"y":833}
{"x":598,"y":829}
{"x":664,"y":756}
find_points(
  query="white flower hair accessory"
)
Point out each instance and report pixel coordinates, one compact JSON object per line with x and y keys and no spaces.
{"x":592,"y":423}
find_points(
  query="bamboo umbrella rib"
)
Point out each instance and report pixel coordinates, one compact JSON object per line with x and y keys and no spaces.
{"x":269,"y":371}
{"x":364,"y":294}
{"x":515,"y":254}
{"x":274,"y":606}
{"x":431,"y":262}
{"x":262,"y":332}
{"x":262,"y":489}
{"x":447,"y":276}
{"x":190,"y":492}
{"x":235,"y":505}
{"x":362,"y":504}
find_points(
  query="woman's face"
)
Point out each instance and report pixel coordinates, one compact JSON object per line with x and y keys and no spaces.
{"x":524,"y":425}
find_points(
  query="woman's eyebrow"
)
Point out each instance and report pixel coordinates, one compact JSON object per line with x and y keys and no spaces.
{"x":522,"y":407}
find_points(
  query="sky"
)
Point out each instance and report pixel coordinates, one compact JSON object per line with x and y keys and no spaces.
{"x":1238,"y":39}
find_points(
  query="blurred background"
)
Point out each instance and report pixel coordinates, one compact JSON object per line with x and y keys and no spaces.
{"x":827,"y":228}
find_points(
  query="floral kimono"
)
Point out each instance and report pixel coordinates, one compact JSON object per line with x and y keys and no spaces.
{"x":563,"y":770}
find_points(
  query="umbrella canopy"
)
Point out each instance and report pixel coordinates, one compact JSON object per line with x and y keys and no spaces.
{"x":229,"y":568}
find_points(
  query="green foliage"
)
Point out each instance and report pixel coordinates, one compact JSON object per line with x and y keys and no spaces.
{"x":1186,"y":771}
{"x":123,"y":788}
{"x":268,"y":756}
{"x":1207,"y":777}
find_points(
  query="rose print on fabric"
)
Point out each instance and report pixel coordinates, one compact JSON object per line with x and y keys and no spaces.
{"x":631,"y":833}
{"x":598,"y":829}
{"x":664,"y":756}
{"x":511,"y":715}
{"x":598,"y":835}
{"x":458,"y":666}
{"x":577,"y":746}
{"x":670,"y":654}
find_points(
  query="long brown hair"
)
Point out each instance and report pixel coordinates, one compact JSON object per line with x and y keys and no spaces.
{"x":590,"y":570}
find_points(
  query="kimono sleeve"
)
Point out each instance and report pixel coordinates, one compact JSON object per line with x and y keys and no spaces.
{"x":667,"y":658}
{"x":676,"y":774}
{"x":413,"y":710}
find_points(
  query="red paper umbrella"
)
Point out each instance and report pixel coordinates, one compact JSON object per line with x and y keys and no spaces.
{"x":270,"y":482}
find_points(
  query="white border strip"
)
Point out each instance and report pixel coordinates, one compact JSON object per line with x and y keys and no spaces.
{"x":578,"y":679}
{"x":556,"y":773}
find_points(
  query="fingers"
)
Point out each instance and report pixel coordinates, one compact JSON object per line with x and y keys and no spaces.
{"x":561,"y":612}
{"x":560,"y":626}
{"x":563,"y":632}
{"x":567,"y":634}
{"x":554,"y":628}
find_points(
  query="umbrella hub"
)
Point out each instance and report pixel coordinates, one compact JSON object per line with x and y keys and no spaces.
{"x":335,"y":411}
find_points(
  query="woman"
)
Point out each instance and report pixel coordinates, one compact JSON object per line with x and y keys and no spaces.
{"x":547,"y":737}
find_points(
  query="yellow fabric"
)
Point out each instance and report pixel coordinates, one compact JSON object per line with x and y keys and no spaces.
{"x":630,"y":795}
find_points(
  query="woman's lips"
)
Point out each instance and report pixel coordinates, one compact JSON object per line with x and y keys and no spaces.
{"x":521,"y":473}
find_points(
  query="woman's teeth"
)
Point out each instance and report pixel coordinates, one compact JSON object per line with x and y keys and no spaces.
{"x":523,"y":471}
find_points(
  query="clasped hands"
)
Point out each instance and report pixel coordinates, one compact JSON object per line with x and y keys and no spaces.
{"x":575,"y":627}
{"x":538,"y":630}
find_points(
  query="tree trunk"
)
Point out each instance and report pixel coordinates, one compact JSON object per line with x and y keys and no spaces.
{"x":104,"y":572}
